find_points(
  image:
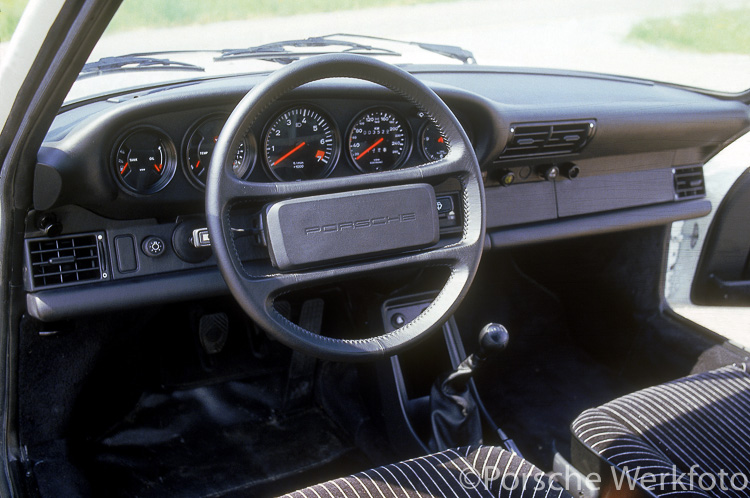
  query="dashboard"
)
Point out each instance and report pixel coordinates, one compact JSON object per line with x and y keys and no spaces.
{"x":301,"y":141}
{"x":120,"y":180}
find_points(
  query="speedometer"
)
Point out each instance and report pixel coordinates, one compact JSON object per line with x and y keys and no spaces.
{"x":300,"y":143}
{"x":378,"y":140}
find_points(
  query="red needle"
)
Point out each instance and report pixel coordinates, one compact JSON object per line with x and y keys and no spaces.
{"x":158,"y":167}
{"x":369,"y":148}
{"x":288,"y":154}
{"x":197,"y":164}
{"x":124,"y":168}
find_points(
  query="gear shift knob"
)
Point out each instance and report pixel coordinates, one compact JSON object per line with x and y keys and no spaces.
{"x":493,"y":338}
{"x":455,"y":416}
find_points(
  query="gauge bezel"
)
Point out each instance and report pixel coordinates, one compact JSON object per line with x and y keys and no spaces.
{"x":169,"y":168}
{"x":250,"y":143}
{"x":408,"y":145}
{"x":422,"y":132}
{"x":335,"y":152}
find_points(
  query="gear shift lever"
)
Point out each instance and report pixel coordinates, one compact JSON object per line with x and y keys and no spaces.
{"x":493,"y":338}
{"x":454,"y":415}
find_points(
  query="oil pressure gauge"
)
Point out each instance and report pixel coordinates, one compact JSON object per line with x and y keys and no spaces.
{"x":145,"y":160}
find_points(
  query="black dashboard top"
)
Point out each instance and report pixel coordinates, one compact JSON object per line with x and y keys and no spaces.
{"x":562,"y":153}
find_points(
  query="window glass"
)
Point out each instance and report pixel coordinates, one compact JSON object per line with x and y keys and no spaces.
{"x":692,"y":43}
{"x":687,"y":242}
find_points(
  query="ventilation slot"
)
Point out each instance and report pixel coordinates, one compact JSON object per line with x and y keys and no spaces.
{"x":547,"y":139}
{"x":689,"y":182}
{"x":64,"y":260}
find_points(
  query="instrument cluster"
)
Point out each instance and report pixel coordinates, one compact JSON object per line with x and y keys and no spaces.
{"x":297,"y":142}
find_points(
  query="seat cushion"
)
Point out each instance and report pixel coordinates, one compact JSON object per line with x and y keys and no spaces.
{"x":466,"y":472}
{"x":682,"y":438}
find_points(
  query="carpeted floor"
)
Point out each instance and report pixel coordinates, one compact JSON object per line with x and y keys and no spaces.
{"x":544,"y":379}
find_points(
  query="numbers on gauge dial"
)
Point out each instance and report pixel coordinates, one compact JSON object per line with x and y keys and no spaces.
{"x":301,"y":143}
{"x":378,"y":140}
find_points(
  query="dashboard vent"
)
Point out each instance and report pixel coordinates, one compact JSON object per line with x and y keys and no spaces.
{"x":546,"y":139}
{"x":65,"y":260}
{"x":689,"y":182}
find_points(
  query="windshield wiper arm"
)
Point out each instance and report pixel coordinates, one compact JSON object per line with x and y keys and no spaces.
{"x":278,"y":51}
{"x":452,"y":51}
{"x":134,"y":62}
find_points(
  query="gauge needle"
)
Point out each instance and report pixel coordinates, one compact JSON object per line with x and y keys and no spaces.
{"x":124,"y":168}
{"x":158,"y":167}
{"x":288,"y":154}
{"x":369,"y":148}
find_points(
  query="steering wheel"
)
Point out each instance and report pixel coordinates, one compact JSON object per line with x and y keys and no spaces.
{"x":319,"y":231}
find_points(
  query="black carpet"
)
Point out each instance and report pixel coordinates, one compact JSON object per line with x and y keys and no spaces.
{"x":225,"y":439}
{"x":536,"y":388}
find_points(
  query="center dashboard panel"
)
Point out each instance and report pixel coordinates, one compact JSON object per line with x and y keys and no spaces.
{"x":120,"y":182}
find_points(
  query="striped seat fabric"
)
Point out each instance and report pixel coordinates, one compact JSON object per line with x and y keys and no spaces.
{"x":481,"y":471}
{"x":689,"y":437}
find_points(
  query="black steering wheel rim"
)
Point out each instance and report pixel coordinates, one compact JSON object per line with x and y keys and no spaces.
{"x":256,"y":292}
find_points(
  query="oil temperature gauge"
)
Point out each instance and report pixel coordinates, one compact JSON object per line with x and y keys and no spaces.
{"x":200,"y":147}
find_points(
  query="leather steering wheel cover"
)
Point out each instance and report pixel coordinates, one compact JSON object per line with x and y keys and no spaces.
{"x":259,"y":305}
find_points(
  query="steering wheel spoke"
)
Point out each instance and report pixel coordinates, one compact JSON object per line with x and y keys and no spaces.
{"x":278,"y":283}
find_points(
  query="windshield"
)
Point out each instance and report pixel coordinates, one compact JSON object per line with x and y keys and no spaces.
{"x":688,"y":42}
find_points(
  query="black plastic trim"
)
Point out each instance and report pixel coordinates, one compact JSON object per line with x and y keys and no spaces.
{"x":59,"y":304}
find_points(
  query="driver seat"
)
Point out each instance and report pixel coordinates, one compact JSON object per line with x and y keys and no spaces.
{"x":480,"y":471}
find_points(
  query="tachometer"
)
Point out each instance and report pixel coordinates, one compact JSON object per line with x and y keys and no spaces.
{"x":378,"y":140}
{"x":200,"y":148}
{"x":300,"y":143}
{"x":145,"y":160}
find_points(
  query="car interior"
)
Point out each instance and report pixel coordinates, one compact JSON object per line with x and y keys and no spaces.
{"x":247,"y":285}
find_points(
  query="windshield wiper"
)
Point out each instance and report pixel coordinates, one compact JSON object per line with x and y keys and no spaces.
{"x":278,"y":51}
{"x":134,"y":62}
{"x":452,"y":51}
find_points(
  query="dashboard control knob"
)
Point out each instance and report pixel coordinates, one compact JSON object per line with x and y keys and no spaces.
{"x":153,"y":246}
{"x":49,"y":224}
{"x":551,"y":173}
{"x":572,"y":171}
{"x":398,"y":320}
{"x":507,"y":179}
